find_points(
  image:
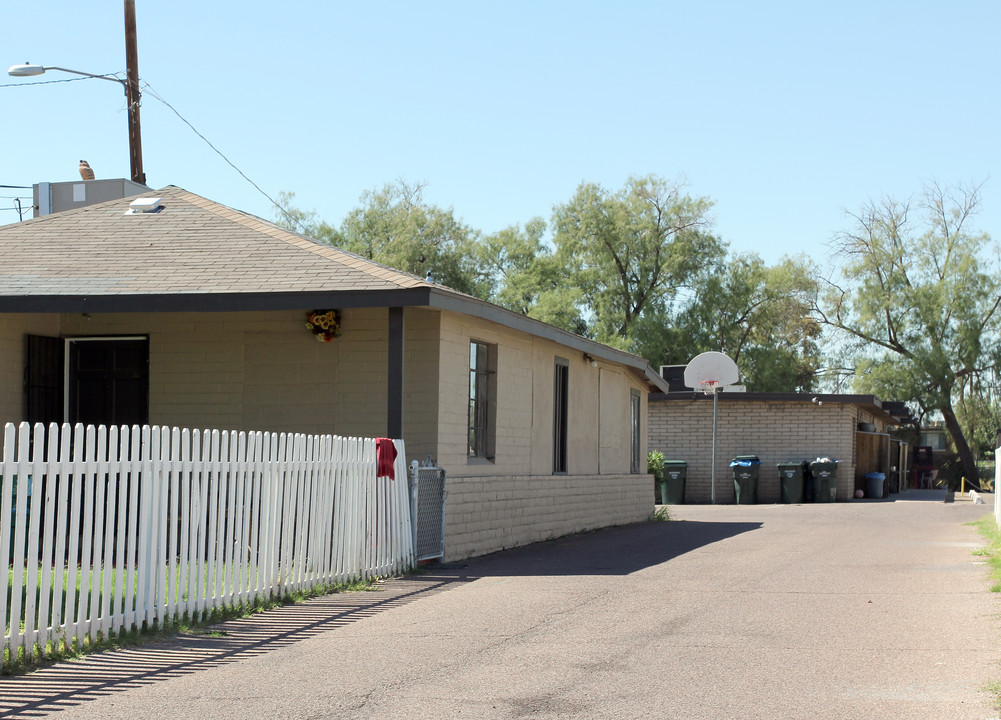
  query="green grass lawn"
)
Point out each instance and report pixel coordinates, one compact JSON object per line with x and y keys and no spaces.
{"x":127,"y":636}
{"x":987,"y":526}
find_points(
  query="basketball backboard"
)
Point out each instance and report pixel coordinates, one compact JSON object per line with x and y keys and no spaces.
{"x":711,"y":367}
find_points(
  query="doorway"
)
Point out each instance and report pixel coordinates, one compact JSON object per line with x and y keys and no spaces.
{"x":107,"y":380}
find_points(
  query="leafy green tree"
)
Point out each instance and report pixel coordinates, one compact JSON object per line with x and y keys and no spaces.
{"x":979,"y":413}
{"x":527,"y":277}
{"x":919,"y":302}
{"x":301,"y":221}
{"x":396,"y":227}
{"x":631,"y":250}
{"x":757,"y":315}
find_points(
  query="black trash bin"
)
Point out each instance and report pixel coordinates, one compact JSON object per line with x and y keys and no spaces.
{"x":825,"y":479}
{"x":791,"y":482}
{"x":745,"y":479}
{"x":675,"y":474}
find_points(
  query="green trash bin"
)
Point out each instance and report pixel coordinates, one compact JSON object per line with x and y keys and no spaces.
{"x":673,"y":487}
{"x":825,"y":480}
{"x":745,"y":479}
{"x":791,"y":482}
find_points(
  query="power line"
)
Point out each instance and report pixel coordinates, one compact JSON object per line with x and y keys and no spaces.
{"x":149,"y":90}
{"x":51,"y":82}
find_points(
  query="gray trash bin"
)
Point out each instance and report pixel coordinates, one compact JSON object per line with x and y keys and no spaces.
{"x":745,"y":479}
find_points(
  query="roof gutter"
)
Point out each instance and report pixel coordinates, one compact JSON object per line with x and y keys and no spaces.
{"x":437,"y":297}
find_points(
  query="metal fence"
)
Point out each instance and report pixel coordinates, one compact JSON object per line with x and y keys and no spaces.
{"x":109,"y":529}
{"x":427,"y":507}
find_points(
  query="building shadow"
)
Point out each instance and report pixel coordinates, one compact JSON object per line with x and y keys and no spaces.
{"x":610,"y":551}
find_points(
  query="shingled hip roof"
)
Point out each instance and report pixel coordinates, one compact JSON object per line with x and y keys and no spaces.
{"x":191,"y":246}
{"x":197,"y":255}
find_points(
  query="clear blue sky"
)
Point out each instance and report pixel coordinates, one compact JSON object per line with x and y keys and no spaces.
{"x":785,"y":114}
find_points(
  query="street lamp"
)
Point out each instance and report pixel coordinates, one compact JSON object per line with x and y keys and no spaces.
{"x":131,"y":97}
{"x":131,"y":85}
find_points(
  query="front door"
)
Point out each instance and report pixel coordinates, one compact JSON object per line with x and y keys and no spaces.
{"x":108,"y":381}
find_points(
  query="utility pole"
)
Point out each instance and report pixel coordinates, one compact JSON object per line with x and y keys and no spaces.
{"x":132,"y":93}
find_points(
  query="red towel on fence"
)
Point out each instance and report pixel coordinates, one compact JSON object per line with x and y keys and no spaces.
{"x":385,"y":453}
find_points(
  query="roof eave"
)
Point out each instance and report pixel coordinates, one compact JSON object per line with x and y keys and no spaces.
{"x":212,"y":302}
{"x":444,"y":299}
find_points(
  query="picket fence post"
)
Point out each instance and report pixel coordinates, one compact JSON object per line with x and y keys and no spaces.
{"x":117,"y":528}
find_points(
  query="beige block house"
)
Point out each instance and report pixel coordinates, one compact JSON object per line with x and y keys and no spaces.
{"x":194,"y":315}
{"x":776,"y":427}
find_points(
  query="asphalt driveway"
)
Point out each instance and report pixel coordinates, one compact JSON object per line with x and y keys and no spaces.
{"x":849,"y":610}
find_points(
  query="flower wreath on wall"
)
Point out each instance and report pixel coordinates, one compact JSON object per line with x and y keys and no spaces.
{"x":324,"y":324}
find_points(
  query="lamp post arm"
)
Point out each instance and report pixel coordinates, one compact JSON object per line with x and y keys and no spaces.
{"x":112,"y":78}
{"x":130,"y":84}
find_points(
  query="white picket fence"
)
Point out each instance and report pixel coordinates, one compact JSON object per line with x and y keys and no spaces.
{"x":127,"y":527}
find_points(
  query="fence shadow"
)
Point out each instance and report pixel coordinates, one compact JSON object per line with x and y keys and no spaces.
{"x":67,"y":684}
{"x":611,"y":551}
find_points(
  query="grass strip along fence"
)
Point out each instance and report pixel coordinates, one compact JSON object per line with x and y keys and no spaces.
{"x":113,"y":530}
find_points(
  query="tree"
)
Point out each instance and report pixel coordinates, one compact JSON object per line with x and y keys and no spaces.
{"x":395,"y":226}
{"x":979,"y":413}
{"x":918,"y":302}
{"x":304,"y":222}
{"x":631,"y":250}
{"x":527,"y":277}
{"x":757,"y":315}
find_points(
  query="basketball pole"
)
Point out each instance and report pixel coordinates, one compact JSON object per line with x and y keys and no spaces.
{"x":713,"y":471}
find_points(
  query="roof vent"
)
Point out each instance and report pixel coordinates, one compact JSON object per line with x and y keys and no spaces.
{"x":144,"y":205}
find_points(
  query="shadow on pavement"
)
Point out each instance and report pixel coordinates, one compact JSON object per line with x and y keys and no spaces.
{"x":612,"y":551}
{"x":66,"y":684}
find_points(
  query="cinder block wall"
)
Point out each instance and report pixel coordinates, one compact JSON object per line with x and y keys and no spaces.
{"x":486,"y":514}
{"x":13,"y":328}
{"x":774,"y":431}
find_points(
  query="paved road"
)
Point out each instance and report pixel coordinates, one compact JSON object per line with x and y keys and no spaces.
{"x":854,"y":610}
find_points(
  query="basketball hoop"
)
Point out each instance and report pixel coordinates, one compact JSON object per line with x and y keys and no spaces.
{"x":710,"y":372}
{"x":709,"y":387}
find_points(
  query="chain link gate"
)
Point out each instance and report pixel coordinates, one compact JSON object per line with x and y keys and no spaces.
{"x":427,"y":510}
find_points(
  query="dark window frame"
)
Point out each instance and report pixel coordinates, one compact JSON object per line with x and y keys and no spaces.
{"x":635,"y":430}
{"x":44,"y":391}
{"x":141,"y":374}
{"x":561,"y":415}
